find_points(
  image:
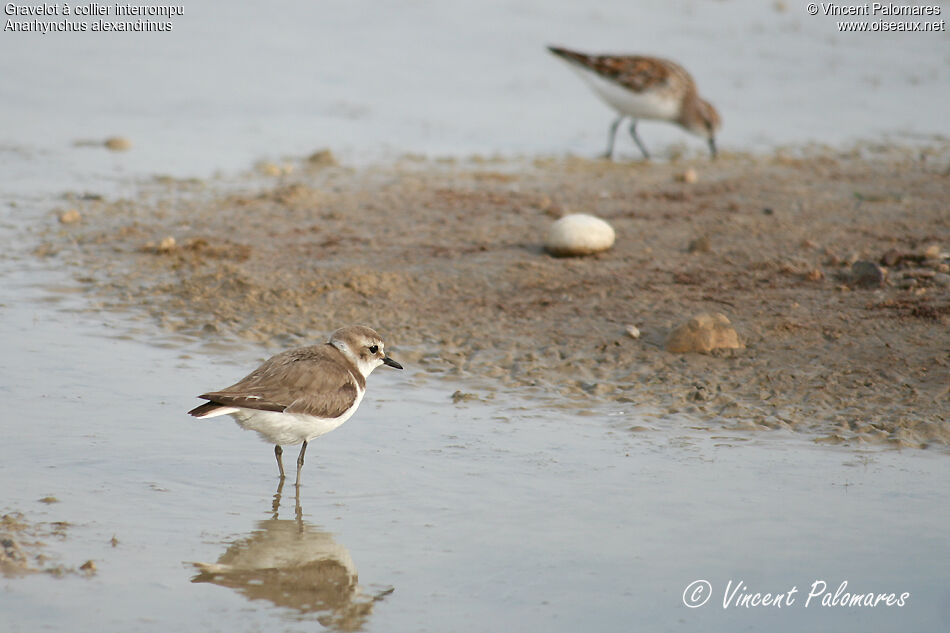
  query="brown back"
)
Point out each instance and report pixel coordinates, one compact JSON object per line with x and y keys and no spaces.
{"x":316,"y":380}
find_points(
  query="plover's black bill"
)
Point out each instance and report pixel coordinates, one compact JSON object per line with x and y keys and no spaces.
{"x":388,"y":361}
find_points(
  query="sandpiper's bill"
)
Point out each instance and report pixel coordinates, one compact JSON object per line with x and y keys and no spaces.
{"x":302,"y":393}
{"x":645,"y":88}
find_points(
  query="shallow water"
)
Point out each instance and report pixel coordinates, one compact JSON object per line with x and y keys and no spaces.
{"x":483,"y":516}
{"x":492,"y":515}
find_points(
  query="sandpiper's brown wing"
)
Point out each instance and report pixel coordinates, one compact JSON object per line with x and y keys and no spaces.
{"x":311,"y":380}
{"x":638,"y":73}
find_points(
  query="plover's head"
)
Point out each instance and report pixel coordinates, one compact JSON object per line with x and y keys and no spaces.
{"x":363,"y":347}
{"x":702,"y":119}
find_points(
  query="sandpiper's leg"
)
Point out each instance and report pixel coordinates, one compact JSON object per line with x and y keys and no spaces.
{"x":712,"y":147}
{"x":609,"y":154}
{"x":636,"y":139}
{"x":303,"y":449}
{"x":278,"y":451}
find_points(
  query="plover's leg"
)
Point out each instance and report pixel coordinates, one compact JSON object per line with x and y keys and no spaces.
{"x":303,"y":449}
{"x":609,"y":154}
{"x":278,"y":451}
{"x":636,"y":139}
{"x":712,"y":147}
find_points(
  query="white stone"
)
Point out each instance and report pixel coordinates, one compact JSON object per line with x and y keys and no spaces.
{"x":579,"y":234}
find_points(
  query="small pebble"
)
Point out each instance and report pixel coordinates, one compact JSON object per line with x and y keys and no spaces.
{"x":832,"y":260}
{"x":891,"y":257}
{"x":867,"y":274}
{"x":69,"y":217}
{"x":699,"y":245}
{"x":689,"y":176}
{"x":167,"y":244}
{"x":118,"y":144}
{"x":322,"y":158}
{"x":268,"y":168}
{"x":89,"y":567}
{"x":633,"y":331}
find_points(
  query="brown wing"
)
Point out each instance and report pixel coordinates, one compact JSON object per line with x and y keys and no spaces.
{"x":327,"y":405}
{"x":635,"y":72}
{"x":311,"y":380}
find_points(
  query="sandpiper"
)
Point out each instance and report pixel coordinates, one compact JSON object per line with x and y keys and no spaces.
{"x":645,"y":88}
{"x":303,"y":393}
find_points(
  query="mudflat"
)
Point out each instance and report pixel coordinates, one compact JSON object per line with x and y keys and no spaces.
{"x":832,"y":266}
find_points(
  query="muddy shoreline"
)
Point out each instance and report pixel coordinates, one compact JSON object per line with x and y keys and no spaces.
{"x":445,"y":259}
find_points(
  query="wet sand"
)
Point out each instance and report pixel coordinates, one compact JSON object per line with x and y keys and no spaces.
{"x":23,"y":546}
{"x":445,"y":259}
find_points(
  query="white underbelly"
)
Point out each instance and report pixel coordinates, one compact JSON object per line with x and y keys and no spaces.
{"x":290,"y":428}
{"x":639,"y":105}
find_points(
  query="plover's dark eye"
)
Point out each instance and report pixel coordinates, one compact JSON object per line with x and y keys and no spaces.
{"x":373,"y":349}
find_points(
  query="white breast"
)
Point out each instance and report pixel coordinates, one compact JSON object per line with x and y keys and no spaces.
{"x":650,"y":104}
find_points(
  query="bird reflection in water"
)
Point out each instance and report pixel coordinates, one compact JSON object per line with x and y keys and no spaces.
{"x":292,"y":564}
